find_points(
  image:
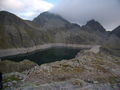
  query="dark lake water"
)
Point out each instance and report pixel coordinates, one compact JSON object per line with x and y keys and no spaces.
{"x":46,"y":56}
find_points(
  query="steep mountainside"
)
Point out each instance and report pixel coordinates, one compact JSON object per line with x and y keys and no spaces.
{"x":66,"y":32}
{"x":52,"y":28}
{"x":15,"y":32}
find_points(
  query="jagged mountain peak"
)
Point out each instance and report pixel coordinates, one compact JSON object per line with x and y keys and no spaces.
{"x":91,"y":22}
{"x":116,"y":31}
{"x":50,"y":20}
{"x":94,"y":25}
{"x":48,"y":15}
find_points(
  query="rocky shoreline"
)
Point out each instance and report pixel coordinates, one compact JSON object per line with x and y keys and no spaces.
{"x":87,"y":71}
{"x":16,"y":51}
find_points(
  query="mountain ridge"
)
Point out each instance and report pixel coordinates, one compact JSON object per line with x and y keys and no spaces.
{"x":17,"y":33}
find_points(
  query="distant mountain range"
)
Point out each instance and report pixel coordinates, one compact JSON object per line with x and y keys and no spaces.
{"x":51,"y":28}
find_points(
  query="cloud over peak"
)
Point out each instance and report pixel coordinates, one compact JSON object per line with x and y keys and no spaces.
{"x":106,"y":12}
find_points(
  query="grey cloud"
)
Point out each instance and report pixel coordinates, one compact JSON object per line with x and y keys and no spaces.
{"x":107,"y":12}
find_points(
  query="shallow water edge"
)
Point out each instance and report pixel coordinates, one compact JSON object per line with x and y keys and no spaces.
{"x":16,"y":51}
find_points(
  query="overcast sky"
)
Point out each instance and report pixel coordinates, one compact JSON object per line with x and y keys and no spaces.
{"x":107,"y":12}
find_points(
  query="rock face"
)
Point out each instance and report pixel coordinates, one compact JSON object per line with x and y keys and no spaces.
{"x":14,"y":32}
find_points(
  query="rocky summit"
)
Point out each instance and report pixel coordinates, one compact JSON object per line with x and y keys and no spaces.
{"x":97,"y":68}
{"x":93,"y":25}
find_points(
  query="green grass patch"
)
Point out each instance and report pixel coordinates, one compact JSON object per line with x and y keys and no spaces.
{"x":11,"y":78}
